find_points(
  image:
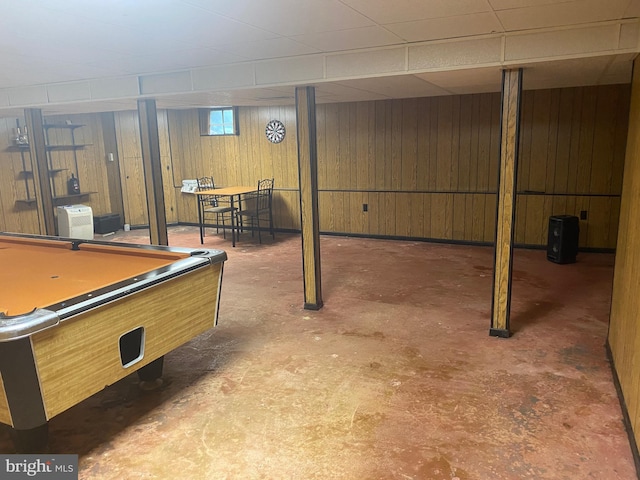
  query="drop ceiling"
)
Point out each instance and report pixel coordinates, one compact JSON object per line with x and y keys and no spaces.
{"x":85,"y":55}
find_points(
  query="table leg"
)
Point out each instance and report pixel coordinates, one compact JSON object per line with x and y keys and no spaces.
{"x":200,"y":219}
{"x":240,"y":224}
{"x":233,"y":228}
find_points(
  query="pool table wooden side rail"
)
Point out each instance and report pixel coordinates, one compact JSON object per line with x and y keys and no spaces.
{"x":81,"y":355}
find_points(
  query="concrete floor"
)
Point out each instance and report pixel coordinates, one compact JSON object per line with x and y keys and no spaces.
{"x":395,"y":378}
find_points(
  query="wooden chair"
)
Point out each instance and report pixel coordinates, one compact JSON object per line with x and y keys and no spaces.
{"x":209,"y":206}
{"x":258,"y":211}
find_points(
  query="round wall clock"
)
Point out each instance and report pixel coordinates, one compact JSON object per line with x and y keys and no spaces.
{"x":275,"y":131}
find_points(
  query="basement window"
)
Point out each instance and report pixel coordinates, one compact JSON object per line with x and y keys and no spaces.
{"x":219,"y":121}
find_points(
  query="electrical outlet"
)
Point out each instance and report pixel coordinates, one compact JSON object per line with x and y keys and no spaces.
{"x":365,"y":207}
{"x":583,"y":214}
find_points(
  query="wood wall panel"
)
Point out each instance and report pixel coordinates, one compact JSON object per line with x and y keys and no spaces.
{"x":239,"y":159}
{"x":572,"y":140}
{"x":426,"y":167}
{"x":410,"y":145}
{"x":91,"y":171}
{"x":459,"y":217}
{"x":91,"y":160}
{"x":131,"y":169}
{"x":624,"y":332}
{"x":15,"y":217}
{"x":171,"y":188}
{"x":132,"y":172}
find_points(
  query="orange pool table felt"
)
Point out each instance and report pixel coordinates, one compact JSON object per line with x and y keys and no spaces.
{"x":37,"y":273}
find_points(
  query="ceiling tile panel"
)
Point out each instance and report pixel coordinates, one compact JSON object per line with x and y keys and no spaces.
{"x":351,"y":39}
{"x":510,"y":4}
{"x":171,"y":19}
{"x":449,"y":27}
{"x":561,"y":14}
{"x":272,"y":48}
{"x":465,"y":81}
{"x":289,"y":17}
{"x":226,"y":45}
{"x":397,"y":86}
{"x":338,"y":89}
{"x":385,"y":12}
{"x":619,"y":70}
{"x":583,"y":71}
{"x":633,"y":9}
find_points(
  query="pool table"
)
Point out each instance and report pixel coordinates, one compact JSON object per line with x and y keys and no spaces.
{"x":79,"y":315}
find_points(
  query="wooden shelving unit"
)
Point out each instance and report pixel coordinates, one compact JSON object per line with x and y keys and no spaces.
{"x":53,"y":171}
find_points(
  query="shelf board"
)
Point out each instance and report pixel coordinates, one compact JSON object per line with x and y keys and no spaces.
{"x":53,"y":171}
{"x":67,"y":147}
{"x":62,"y":125}
{"x":30,"y":201}
{"x":75,"y":195}
{"x":18,"y":148}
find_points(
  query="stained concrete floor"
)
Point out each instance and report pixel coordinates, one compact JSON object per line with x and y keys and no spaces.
{"x":395,"y":378}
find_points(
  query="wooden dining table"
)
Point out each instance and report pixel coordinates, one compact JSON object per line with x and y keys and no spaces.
{"x":231,"y":193}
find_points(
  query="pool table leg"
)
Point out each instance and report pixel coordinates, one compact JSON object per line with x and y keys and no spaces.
{"x":32,"y":440}
{"x":152,"y":371}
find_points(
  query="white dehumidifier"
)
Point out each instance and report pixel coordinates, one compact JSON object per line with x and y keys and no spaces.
{"x":75,"y":221}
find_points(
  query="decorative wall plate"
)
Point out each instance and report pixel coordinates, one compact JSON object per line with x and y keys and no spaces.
{"x":275,"y":131}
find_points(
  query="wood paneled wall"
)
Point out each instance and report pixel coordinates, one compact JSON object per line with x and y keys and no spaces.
{"x":572,"y":148}
{"x":427,"y":167}
{"x":131,"y":168}
{"x":15,"y":217}
{"x":624,"y":332}
{"x":240,"y":159}
{"x":424,"y":168}
{"x":15,"y":185}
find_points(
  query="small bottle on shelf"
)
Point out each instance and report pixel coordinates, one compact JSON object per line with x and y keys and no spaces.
{"x":20,"y":138}
{"x":73,"y":186}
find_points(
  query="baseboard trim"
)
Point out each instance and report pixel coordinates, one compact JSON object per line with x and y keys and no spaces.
{"x":416,"y":239}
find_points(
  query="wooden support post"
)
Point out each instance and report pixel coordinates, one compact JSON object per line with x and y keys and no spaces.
{"x":152,"y":165}
{"x":506,"y":209}
{"x":40,"y":168}
{"x":308,"y":180}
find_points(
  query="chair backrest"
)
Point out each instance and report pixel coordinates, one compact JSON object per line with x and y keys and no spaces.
{"x":206,"y":183}
{"x":263,"y":197}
